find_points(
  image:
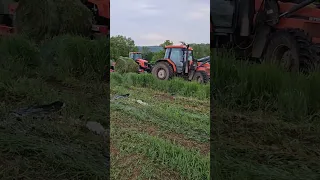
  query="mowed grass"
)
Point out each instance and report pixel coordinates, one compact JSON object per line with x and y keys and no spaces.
{"x":265,"y":122}
{"x":60,"y":146}
{"x":166,"y":139}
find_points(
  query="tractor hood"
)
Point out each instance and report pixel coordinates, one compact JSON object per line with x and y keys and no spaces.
{"x":142,"y":60}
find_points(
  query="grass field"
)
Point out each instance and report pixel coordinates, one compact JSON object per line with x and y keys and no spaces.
{"x":265,"y":123}
{"x":167,"y":138}
{"x":59,"y":146}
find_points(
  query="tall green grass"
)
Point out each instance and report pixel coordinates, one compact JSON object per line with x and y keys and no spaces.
{"x":175,"y":86}
{"x":64,"y":68}
{"x":247,"y":86}
{"x":60,"y":57}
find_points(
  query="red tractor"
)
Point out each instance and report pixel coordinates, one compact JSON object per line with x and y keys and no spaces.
{"x":144,"y":66}
{"x":178,"y":61}
{"x":99,"y":8}
{"x":286,"y":33}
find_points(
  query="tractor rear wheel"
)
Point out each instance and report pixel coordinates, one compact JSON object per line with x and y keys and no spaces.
{"x":201,"y":77}
{"x":162,"y":70}
{"x":316,"y":51}
{"x":291,"y":50}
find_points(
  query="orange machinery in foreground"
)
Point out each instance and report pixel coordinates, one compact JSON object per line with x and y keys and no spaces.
{"x":99,"y":8}
{"x":285,"y":32}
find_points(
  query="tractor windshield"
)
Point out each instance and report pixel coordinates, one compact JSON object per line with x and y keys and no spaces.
{"x":135,"y":56}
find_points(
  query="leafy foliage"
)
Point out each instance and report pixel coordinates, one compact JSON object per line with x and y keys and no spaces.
{"x":121,"y":46}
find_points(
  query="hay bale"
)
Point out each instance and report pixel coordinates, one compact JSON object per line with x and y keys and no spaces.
{"x":37,"y":18}
{"x":126,"y":65}
{"x":41,"y":19}
{"x":75,"y":17}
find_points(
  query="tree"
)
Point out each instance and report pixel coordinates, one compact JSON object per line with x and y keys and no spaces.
{"x":157,"y":56}
{"x":200,"y":50}
{"x":160,"y":54}
{"x":146,"y":53}
{"x":166,"y":43}
{"x":121,"y":46}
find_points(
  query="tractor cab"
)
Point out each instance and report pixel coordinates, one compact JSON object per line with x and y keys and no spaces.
{"x":179,"y":56}
{"x":135,"y":55}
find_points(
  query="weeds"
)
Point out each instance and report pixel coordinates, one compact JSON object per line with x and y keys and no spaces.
{"x":57,"y":147}
{"x":175,"y":86}
{"x":264,"y":87}
{"x":266,"y":123}
{"x":170,"y":133}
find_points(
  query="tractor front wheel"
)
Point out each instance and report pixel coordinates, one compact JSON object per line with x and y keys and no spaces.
{"x":162,"y":70}
{"x":291,"y":50}
{"x":201,"y":77}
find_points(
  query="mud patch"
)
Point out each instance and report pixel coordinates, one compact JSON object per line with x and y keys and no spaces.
{"x":114,"y":151}
{"x":153,"y":130}
{"x":131,"y":160}
{"x":180,"y":139}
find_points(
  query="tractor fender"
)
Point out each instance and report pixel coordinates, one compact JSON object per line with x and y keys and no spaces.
{"x":260,"y":41}
{"x":201,"y":68}
{"x":103,"y":7}
{"x":170,"y":62}
{"x":205,"y":69}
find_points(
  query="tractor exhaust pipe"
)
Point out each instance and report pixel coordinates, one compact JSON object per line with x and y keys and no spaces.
{"x":186,"y":60}
{"x":296,"y":8}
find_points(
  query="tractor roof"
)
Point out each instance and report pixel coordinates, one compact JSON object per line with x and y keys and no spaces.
{"x":177,"y":46}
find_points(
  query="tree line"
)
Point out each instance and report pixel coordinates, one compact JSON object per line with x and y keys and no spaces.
{"x":122,"y":45}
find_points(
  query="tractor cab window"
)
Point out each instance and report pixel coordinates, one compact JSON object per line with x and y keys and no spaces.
{"x":190,"y":56}
{"x":222,"y":12}
{"x":166,"y":55}
{"x":137,"y":56}
{"x":176,"y":55}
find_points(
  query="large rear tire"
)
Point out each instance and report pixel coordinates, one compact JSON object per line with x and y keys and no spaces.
{"x":201,"y":77}
{"x":290,"y":49}
{"x":162,"y":71}
{"x":316,"y":52}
